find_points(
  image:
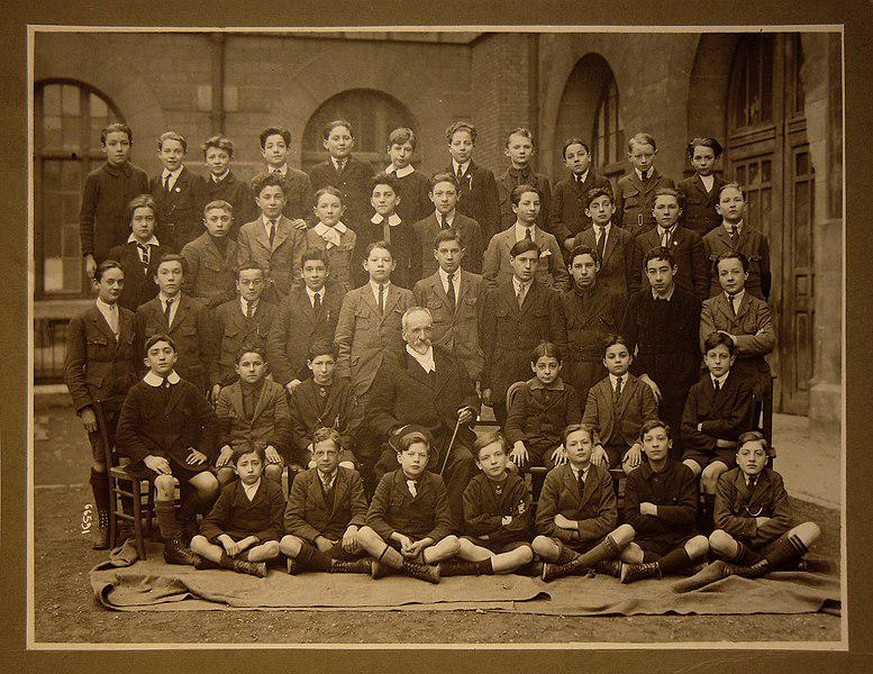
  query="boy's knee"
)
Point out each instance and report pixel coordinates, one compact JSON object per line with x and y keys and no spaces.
{"x":348,"y":464}
{"x":199,"y":543}
{"x":451,"y":544}
{"x":290,"y":546}
{"x":542,"y":545}
{"x":697,"y":547}
{"x":165,"y":485}
{"x":807,"y":532}
{"x":367,"y":535}
{"x":693,"y":465}
{"x":271,"y":548}
{"x":623,"y":535}
{"x":525,"y":553}
{"x":721,"y":541}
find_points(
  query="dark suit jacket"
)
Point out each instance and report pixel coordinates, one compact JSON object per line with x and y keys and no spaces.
{"x":107,"y":192}
{"x":673,"y":491}
{"x":538,"y":415}
{"x":180,"y":211}
{"x":699,"y":211}
{"x":567,"y":217}
{"x":618,"y":271}
{"x":509,"y":180}
{"x":299,"y":195}
{"x":338,"y":408}
{"x":595,"y":510}
{"x":634,"y":201}
{"x":471,"y":239}
{"x":210,"y":276}
{"x":139,"y":285}
{"x":235,"y":192}
{"x":405,"y":251}
{"x":735,"y":503}
{"x":478,"y":198}
{"x":353,"y":182}
{"x":309,"y":515}
{"x":394,"y":509}
{"x":414,"y":192}
{"x":590,"y":316}
{"x":754,"y":245}
{"x":235,"y":515}
{"x":619,"y":422}
{"x":295,"y":327}
{"x":97,"y":367}
{"x":233,"y":330}
{"x":484,"y":509}
{"x":269,"y":425}
{"x":690,"y":255}
{"x":456,"y":331}
{"x":282,"y":261}
{"x":551,"y":270}
{"x":724,"y":416}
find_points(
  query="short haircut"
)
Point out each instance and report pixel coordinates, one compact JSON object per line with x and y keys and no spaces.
{"x":218,"y":204}
{"x":250,"y":266}
{"x":330,"y":189}
{"x":116,"y":127}
{"x":402,"y":135}
{"x":450,"y":234}
{"x":263,"y":180}
{"x":142,"y":201}
{"x":515,"y":195}
{"x":219,"y":143}
{"x":705,"y":141}
{"x":732,"y":185}
{"x":384,"y":245}
{"x":443,"y":177}
{"x":250,"y":348}
{"x":584,"y":250}
{"x":612,"y":340}
{"x":274,"y":131}
{"x":733,"y":255}
{"x":753,"y":436}
{"x":159,"y":337}
{"x":172,"y":135}
{"x":519,"y":131}
{"x":669,"y":192}
{"x":330,"y":126}
{"x":575,"y":428}
{"x":574,"y":141}
{"x":321,"y":347}
{"x":486,"y":439}
{"x":324,"y":434}
{"x":523,"y":246}
{"x":382,"y":178}
{"x":641,"y":139}
{"x":311,"y":254}
{"x":408,"y":439}
{"x":654,"y":423}
{"x":172,"y":257}
{"x":414,"y":310}
{"x":659,"y":253}
{"x":249,"y":447}
{"x":547,"y":349}
{"x":715,"y":339}
{"x":105,"y":266}
{"x":596,"y":193}
{"x":462,"y":125}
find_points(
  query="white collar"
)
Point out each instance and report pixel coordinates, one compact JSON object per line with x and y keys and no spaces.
{"x":721,"y":380}
{"x":375,"y":286}
{"x":614,"y":380}
{"x":400,"y":172}
{"x":640,"y":173}
{"x":175,"y":174}
{"x":251,"y":489}
{"x":321,"y":228}
{"x":464,"y":167}
{"x":151,"y":242}
{"x":313,"y":293}
{"x":336,"y":162}
{"x":606,"y":229}
{"x":728,"y":226}
{"x":106,"y":309}
{"x":446,"y":217}
{"x":521,"y":231}
{"x":325,"y":477}
{"x":425,"y":360}
{"x":245,"y":305}
{"x":393,"y":219}
{"x":282,"y":170}
{"x":175,"y":299}
{"x":217,"y":179}
{"x":708,"y":181}
{"x":576,"y":471}
{"x":672,"y":230}
{"x":738,"y":296}
{"x":517,"y":284}
{"x":266,"y":220}
{"x":456,"y":278}
{"x":155,"y":380}
{"x":583,"y":177}
{"x":668,"y":297}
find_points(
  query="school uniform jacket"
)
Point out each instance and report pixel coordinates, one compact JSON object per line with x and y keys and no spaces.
{"x":509,"y":180}
{"x":590,"y":316}
{"x":97,"y":366}
{"x":634,"y":201}
{"x":736,"y":506}
{"x":567,"y":217}
{"x":192,"y":330}
{"x":340,"y":259}
{"x":233,"y":514}
{"x":180,"y":211}
{"x":426,"y":231}
{"x":550,"y":271}
{"x":314,"y":406}
{"x":282,"y":260}
{"x":309,"y":514}
{"x":725,"y":415}
{"x":699,"y":213}
{"x":268,"y":425}
{"x":354,"y":184}
{"x":299,"y":194}
{"x":456,"y":330}
{"x":538,"y":415}
{"x":485,"y":507}
{"x":139,"y":283}
{"x":619,"y":421}
{"x":478,"y":197}
{"x":618,"y":271}
{"x":233,"y":329}
{"x":405,"y":251}
{"x":753,"y":244}
{"x":237,"y":193}
{"x":393,"y":507}
{"x":366,"y":338}
{"x":414,"y":192}
{"x":692,"y":263}
{"x":295,"y":327}
{"x":673,"y":491}
{"x":594,"y":510}
{"x":210,"y":276}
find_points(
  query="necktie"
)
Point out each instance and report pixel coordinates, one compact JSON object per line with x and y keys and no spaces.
{"x":644,"y":176}
{"x":113,"y":320}
{"x":143,"y":255}
{"x":316,"y":303}
{"x":250,"y":310}
{"x":665,"y":240}
{"x":519,"y":296}
{"x":731,"y":299}
{"x":168,"y":309}
{"x":527,"y":234}
{"x":733,"y":236}
{"x":618,"y":387}
{"x":459,"y":174}
{"x":386,"y":231}
{"x":441,"y":221}
{"x":717,"y":385}
{"x":167,"y":182}
{"x":327,"y":483}
{"x":382,"y":298}
{"x":581,"y":483}
{"x":451,"y":292}
{"x":412,"y":488}
{"x":601,"y":243}
{"x":271,"y":234}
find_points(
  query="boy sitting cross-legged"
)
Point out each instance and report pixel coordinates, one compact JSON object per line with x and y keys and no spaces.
{"x":242,"y":530}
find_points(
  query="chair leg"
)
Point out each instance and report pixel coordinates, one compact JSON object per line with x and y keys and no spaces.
{"x":137,"y":519}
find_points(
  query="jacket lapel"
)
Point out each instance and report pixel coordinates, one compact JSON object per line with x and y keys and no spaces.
{"x":392,"y":297}
{"x":282,"y":229}
{"x":99,"y":320}
{"x":572,"y":486}
{"x":436,"y":285}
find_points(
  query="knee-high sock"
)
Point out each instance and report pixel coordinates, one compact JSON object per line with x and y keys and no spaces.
{"x":674,"y":561}
{"x":166,"y":513}
{"x":606,"y":549}
{"x":745,"y":555}
{"x":312,"y":558}
{"x":100,"y":487}
{"x":391,"y":557}
{"x":787,"y":549}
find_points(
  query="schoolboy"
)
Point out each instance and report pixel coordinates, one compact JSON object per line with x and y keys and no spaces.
{"x":455,"y":298}
{"x":331,"y":235}
{"x":412,"y":186}
{"x":520,"y":150}
{"x":324,"y":401}
{"x":272,"y":241}
{"x":178,"y":192}
{"x":577,"y":514}
{"x":385,"y":224}
{"x":246,"y":319}
{"x":443,"y":194}
{"x":106,"y":194}
{"x":99,"y":367}
{"x":616,"y":408}
{"x":140,"y":255}
{"x":409,"y":525}
{"x":737,"y":236}
{"x":252,"y":411}
{"x":662,"y":326}
{"x":183,"y":318}
{"x":618,"y":269}
{"x":591,"y":312}
{"x":211,"y":258}
{"x":497,"y":515}
{"x":700,"y":192}
{"x":242,"y":530}
{"x":518,"y":314}
{"x":326,"y":508}
{"x":660,"y":504}
{"x":744,"y":318}
{"x":222,"y":184}
{"x":368,"y":331}
{"x":306,"y":316}
{"x":168,"y":431}
{"x":635,"y":192}
{"x":478,"y":196}
{"x":296,"y":185}
{"x":526,"y":204}
{"x":717,"y":412}
{"x":686,"y":245}
{"x":570,"y":197}
{"x":348,"y":174}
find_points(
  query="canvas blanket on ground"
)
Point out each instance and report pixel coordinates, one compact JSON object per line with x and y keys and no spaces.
{"x":152,"y":585}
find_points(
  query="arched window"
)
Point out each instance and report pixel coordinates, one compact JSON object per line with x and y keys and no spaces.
{"x":373,"y":115}
{"x":609,"y":144}
{"x":68,"y":118}
{"x":753,"y":84}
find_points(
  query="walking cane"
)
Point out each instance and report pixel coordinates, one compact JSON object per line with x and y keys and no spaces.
{"x":451,"y":445}
{"x":107,"y":458}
